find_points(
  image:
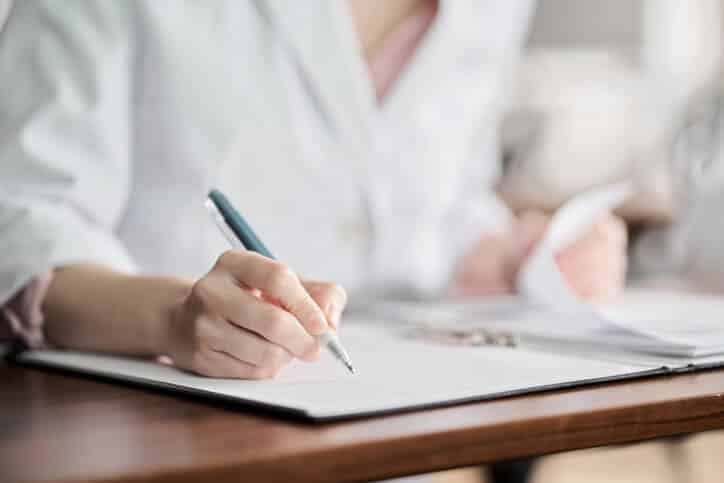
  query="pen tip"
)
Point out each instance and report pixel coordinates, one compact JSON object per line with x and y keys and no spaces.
{"x":351,"y":369}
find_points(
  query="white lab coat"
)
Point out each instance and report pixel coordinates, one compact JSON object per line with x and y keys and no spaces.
{"x":117,"y":117}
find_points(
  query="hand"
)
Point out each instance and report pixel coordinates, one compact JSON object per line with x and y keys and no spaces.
{"x":490,"y":268}
{"x":594,"y":266}
{"x":249,"y":317}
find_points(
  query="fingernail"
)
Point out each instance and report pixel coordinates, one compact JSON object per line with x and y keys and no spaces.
{"x":333,"y":314}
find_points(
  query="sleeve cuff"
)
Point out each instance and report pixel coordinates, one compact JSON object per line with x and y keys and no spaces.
{"x":41,"y":236}
{"x":477,"y":217}
{"x":23,"y":313}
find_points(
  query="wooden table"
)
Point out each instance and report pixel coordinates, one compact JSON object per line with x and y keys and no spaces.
{"x":60,"y":427}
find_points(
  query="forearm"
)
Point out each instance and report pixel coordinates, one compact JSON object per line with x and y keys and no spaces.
{"x":90,"y":307}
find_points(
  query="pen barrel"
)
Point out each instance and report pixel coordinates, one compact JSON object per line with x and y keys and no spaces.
{"x":237,"y":224}
{"x":330,"y":340}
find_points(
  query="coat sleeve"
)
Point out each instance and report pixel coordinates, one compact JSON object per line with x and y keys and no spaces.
{"x":64,"y":136}
{"x":478,"y":210}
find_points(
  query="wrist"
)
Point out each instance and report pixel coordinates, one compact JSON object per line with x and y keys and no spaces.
{"x":94,"y":308}
{"x":171,"y":294}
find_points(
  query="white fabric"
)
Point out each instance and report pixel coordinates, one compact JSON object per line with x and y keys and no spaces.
{"x":117,"y":117}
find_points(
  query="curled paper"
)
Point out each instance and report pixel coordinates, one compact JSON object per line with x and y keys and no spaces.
{"x":539,"y":279}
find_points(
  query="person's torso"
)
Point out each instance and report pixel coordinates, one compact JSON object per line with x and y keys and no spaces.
{"x":270,"y":102}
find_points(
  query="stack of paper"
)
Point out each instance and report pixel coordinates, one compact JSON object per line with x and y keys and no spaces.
{"x":548,"y":313}
{"x":669,"y":324}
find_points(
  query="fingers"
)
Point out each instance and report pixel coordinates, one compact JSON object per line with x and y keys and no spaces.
{"x":192,"y":346}
{"x":249,"y":317}
{"x":491,"y":267}
{"x":277,"y":282}
{"x":278,"y":327}
{"x":330,"y":297}
{"x":220,"y":364}
{"x":595,"y":266}
{"x":609,"y":233}
{"x":614,"y":230}
{"x":214,"y":347}
{"x":221,"y":297}
{"x":485,"y":270}
{"x":250,"y":347}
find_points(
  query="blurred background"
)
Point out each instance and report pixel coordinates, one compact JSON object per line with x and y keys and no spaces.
{"x":614,"y":89}
{"x":622,"y":88}
{"x":627,"y":88}
{"x":608,"y":86}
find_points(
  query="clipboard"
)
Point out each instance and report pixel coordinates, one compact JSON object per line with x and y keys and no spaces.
{"x":397,"y":373}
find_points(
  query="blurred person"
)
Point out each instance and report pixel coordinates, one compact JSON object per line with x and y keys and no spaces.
{"x":629,"y":89}
{"x":359,"y":137}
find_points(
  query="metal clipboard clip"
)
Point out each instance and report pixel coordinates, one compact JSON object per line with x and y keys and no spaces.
{"x":473,"y":337}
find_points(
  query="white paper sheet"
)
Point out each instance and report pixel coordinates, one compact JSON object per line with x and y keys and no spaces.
{"x":395,"y":372}
{"x":673,"y":318}
{"x":668,"y":324}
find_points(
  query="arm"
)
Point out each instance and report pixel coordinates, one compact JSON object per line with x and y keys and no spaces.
{"x":64,"y":180}
{"x":87,"y":307}
{"x":64,"y":167}
{"x":494,"y":239}
{"x":216,"y":326}
{"x":495,"y":242}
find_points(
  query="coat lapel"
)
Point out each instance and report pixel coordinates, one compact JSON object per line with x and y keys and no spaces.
{"x":321,"y":35}
{"x":436,"y":56}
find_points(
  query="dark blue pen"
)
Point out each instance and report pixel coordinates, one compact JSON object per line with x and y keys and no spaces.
{"x":240,"y":235}
{"x":237,"y":224}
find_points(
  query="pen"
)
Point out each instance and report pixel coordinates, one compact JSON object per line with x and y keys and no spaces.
{"x":240,"y":235}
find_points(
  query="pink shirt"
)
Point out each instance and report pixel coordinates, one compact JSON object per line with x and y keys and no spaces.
{"x":21,"y":317}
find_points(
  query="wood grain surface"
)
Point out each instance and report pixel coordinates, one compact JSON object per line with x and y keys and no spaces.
{"x":66,"y":428}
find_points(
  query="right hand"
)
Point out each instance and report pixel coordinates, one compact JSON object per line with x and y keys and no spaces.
{"x":249,"y":317}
